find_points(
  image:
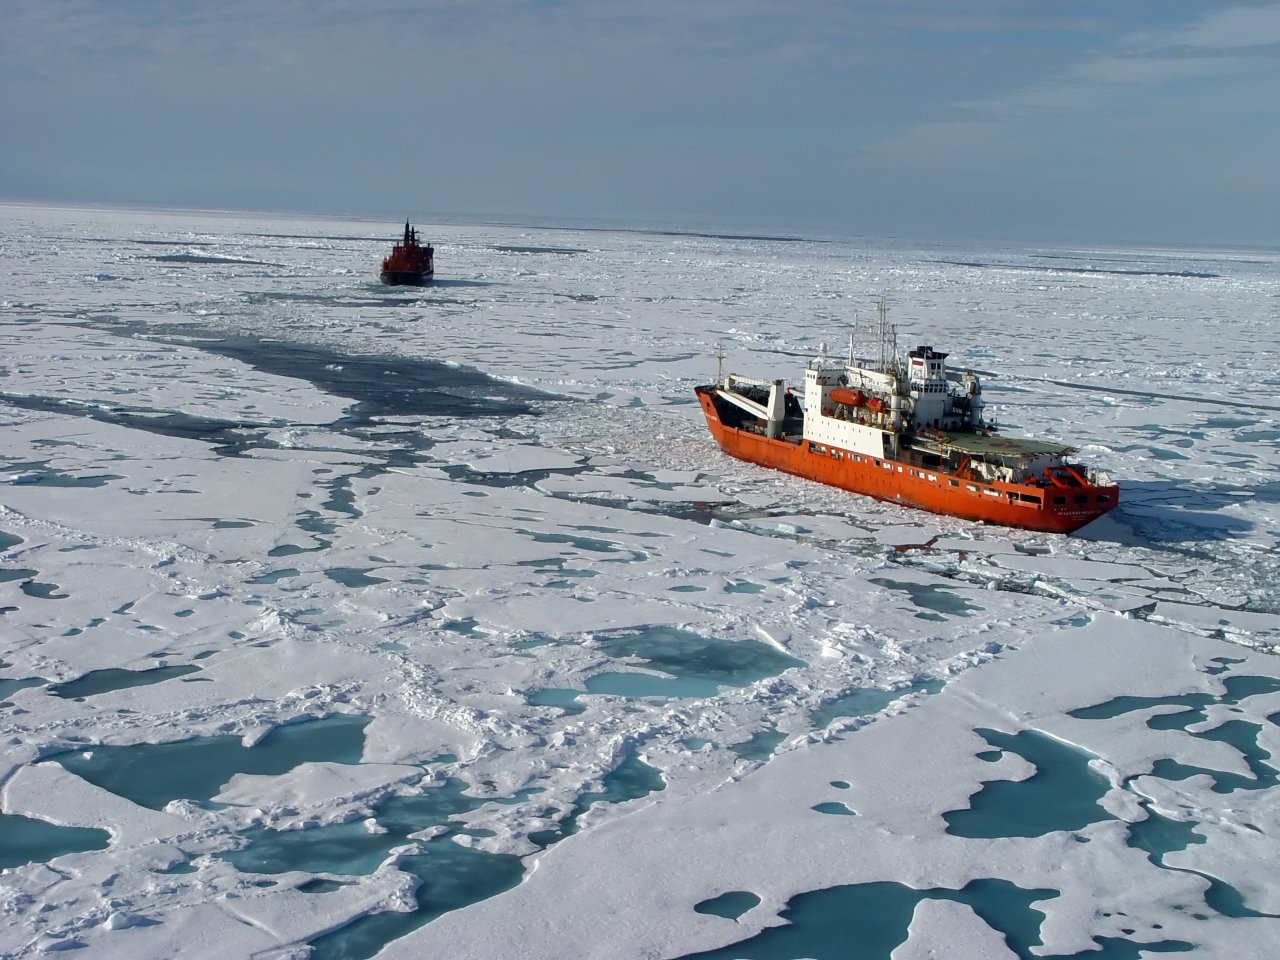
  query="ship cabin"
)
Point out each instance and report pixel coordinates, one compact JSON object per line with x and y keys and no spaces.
{"x":934,"y":404}
{"x":850,"y":407}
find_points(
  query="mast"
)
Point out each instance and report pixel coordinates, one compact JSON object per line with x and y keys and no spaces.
{"x":883,"y":334}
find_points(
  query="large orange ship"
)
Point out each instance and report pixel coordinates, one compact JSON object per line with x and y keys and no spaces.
{"x":410,"y":263}
{"x":906,"y":430}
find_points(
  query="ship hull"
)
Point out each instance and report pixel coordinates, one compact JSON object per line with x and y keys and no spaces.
{"x":1012,"y":505}
{"x":406,"y":278}
{"x":410,"y":264}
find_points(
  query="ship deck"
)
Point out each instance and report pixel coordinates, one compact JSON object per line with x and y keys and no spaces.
{"x":992,"y":445}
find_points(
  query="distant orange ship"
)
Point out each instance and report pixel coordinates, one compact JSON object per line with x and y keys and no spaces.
{"x":905,"y":430}
{"x":410,"y":264}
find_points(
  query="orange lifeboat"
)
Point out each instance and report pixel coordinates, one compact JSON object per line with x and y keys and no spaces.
{"x":847,"y":396}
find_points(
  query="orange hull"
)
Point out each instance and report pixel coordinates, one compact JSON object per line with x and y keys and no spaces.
{"x":1047,"y":508}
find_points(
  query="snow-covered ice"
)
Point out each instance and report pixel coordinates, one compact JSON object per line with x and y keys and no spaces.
{"x":431,"y":622}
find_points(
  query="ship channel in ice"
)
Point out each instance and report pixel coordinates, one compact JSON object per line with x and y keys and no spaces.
{"x":331,"y":610}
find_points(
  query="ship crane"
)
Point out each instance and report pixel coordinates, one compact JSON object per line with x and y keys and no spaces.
{"x":772,"y":413}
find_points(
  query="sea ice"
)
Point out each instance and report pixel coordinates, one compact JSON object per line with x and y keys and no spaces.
{"x":442,"y":515}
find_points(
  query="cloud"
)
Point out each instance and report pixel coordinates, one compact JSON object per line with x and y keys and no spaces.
{"x":1158,"y":70}
{"x":942,"y":145}
{"x":1153,"y":69}
{"x":1238,"y":28}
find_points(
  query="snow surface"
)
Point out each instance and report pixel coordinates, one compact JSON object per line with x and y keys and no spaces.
{"x":228,"y":447}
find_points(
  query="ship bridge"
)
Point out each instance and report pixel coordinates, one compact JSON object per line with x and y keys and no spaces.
{"x":926,"y":363}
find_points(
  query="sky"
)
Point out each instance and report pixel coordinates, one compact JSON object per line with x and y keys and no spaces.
{"x":1125,"y":121}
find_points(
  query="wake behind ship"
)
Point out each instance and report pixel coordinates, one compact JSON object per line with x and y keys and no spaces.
{"x":905,"y":429}
{"x":410,"y":263}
